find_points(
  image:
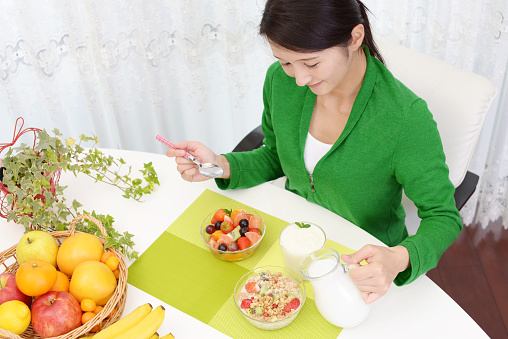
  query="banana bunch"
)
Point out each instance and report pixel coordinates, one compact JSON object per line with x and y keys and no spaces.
{"x":142,"y":323}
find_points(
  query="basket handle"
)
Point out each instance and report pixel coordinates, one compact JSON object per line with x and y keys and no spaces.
{"x":19,"y":132}
{"x":72,"y":227}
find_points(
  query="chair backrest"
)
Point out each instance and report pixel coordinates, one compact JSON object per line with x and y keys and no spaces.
{"x":458,"y":100}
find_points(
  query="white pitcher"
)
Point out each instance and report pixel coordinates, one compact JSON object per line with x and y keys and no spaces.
{"x":337,"y":298}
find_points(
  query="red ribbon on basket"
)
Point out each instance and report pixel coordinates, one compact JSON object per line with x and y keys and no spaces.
{"x":19,"y":133}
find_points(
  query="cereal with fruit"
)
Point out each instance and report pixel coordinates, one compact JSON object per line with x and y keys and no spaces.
{"x":270,"y":296}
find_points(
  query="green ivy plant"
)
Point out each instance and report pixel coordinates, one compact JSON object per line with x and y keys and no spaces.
{"x":38,"y":202}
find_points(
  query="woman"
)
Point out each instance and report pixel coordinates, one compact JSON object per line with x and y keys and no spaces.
{"x":348,"y":136}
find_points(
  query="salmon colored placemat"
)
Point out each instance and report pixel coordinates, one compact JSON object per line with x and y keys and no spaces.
{"x":179,"y":269}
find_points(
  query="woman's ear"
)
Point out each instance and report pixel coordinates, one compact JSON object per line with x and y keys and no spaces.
{"x":357,"y":36}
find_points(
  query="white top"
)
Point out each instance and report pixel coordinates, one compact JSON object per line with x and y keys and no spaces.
{"x":314,"y":150}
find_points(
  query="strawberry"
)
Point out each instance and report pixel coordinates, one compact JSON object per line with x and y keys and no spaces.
{"x":226,"y":226}
{"x":252,"y":287}
{"x":246,"y":303}
{"x":218,"y":216}
{"x":243,"y":243}
{"x":228,"y":219}
{"x":293,"y":305}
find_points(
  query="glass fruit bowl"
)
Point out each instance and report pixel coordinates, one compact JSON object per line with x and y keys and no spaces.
{"x":270,"y":297}
{"x":233,"y":233}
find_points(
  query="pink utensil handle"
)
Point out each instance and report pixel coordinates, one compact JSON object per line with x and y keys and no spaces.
{"x":168,"y":143}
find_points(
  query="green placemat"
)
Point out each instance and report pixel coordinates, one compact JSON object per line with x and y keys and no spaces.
{"x":179,"y":270}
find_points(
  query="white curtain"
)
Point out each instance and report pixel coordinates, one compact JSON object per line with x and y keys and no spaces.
{"x":472,"y":35}
{"x":127,"y":70}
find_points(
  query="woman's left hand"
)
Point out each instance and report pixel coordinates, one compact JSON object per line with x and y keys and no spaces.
{"x":383,"y":265}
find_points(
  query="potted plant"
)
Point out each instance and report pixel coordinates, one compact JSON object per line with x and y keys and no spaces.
{"x":32,"y":196}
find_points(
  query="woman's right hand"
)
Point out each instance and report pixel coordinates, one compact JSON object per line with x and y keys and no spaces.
{"x":189,"y":170}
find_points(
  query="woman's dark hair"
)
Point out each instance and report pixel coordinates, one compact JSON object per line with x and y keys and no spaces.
{"x":315,"y":25}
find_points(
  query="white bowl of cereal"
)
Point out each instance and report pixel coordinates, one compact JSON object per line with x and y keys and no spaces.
{"x":270,"y":297}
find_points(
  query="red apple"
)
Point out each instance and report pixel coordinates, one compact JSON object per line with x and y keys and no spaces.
{"x":10,"y":291}
{"x":55,"y":313}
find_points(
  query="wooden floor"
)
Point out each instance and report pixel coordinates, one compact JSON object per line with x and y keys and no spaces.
{"x":474,"y":272}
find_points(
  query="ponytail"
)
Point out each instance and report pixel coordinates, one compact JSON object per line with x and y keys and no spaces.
{"x":369,"y":39}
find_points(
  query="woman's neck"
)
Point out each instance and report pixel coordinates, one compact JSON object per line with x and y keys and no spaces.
{"x":348,"y":89}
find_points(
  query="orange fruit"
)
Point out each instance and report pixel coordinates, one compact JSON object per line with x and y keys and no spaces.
{"x":112,"y":312}
{"x":87,"y":316}
{"x":96,"y":328}
{"x":94,"y":280}
{"x":97,"y":309}
{"x":88,"y":305}
{"x":76,"y":249}
{"x":112,"y":263}
{"x":234,"y":213}
{"x":36,"y":277}
{"x":62,"y":282}
{"x":106,"y":255}
{"x":117,"y":273}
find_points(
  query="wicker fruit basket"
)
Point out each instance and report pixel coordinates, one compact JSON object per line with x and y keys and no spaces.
{"x":116,"y":302}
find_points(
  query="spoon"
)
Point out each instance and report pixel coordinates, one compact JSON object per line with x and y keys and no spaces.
{"x":207,"y":169}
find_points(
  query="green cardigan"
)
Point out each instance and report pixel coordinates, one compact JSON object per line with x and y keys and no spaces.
{"x":390,"y":143}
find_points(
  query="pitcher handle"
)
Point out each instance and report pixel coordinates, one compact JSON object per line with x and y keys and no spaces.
{"x":345,"y":267}
{"x":348,"y":267}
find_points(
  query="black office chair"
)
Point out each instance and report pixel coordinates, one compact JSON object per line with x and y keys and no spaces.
{"x":251,"y":141}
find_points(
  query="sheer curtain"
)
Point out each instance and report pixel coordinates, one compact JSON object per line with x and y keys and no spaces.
{"x":472,"y":35}
{"x":127,"y":70}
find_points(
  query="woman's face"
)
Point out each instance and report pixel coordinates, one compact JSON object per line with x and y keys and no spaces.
{"x":323,"y":71}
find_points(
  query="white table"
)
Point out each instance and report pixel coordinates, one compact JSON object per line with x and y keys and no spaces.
{"x":419,"y":310}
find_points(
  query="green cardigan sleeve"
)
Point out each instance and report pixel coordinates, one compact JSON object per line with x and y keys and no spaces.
{"x":419,"y":165}
{"x":255,"y":167}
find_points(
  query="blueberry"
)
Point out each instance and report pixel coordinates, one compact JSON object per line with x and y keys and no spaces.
{"x":217,"y":224}
{"x":223,"y":247}
{"x":243,"y":230}
{"x":244,"y":223}
{"x":210,"y":229}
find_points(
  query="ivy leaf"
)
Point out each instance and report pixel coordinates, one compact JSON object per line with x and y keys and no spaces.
{"x":12,"y":216}
{"x":109,"y":243}
{"x":76,"y":205}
